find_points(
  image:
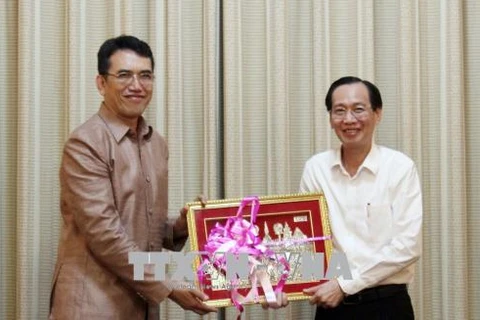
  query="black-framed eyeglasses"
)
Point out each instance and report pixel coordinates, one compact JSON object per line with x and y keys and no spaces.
{"x":125,"y":78}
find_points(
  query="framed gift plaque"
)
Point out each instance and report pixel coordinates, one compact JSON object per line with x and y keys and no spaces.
{"x":289,"y":225}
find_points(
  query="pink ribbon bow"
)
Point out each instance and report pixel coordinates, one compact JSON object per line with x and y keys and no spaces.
{"x":240,"y":236}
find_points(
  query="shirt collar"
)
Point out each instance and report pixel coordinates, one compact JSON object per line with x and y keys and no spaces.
{"x":145,"y":130}
{"x":120,"y":129}
{"x":371,"y":162}
{"x":337,"y":158}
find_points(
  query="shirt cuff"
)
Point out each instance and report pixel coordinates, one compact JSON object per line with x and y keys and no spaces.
{"x":351,"y":286}
{"x":151,"y":290}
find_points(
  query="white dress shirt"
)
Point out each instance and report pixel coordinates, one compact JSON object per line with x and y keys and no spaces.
{"x":375,"y":216}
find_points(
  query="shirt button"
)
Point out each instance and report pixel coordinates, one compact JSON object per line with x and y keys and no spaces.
{"x":148,"y":179}
{"x":150,"y":211}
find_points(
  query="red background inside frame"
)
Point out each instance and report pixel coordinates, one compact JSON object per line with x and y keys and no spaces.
{"x":272,"y":213}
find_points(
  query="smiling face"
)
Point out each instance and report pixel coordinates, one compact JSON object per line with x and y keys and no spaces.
{"x":127,"y":101}
{"x":352,"y":117}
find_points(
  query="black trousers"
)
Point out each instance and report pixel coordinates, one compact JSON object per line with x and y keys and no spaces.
{"x":380,"y":303}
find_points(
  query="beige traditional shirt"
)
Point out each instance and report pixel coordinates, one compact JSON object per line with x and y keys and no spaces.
{"x":114,"y":186}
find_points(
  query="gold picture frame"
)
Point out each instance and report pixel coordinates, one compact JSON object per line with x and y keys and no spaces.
{"x":279,"y":217}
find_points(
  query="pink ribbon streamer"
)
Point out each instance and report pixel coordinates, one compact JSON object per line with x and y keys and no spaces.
{"x":240,"y":236}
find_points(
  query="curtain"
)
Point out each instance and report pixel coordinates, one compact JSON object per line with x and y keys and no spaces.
{"x":239,"y":95}
{"x":281,"y":57}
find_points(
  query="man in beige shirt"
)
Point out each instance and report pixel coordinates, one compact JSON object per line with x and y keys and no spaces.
{"x":114,"y":182}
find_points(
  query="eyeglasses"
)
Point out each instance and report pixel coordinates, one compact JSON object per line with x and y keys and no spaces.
{"x":125,"y":78}
{"x":340,"y":113}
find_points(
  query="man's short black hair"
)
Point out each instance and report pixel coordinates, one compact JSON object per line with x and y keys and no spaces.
{"x":373,"y":92}
{"x":123,"y":42}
